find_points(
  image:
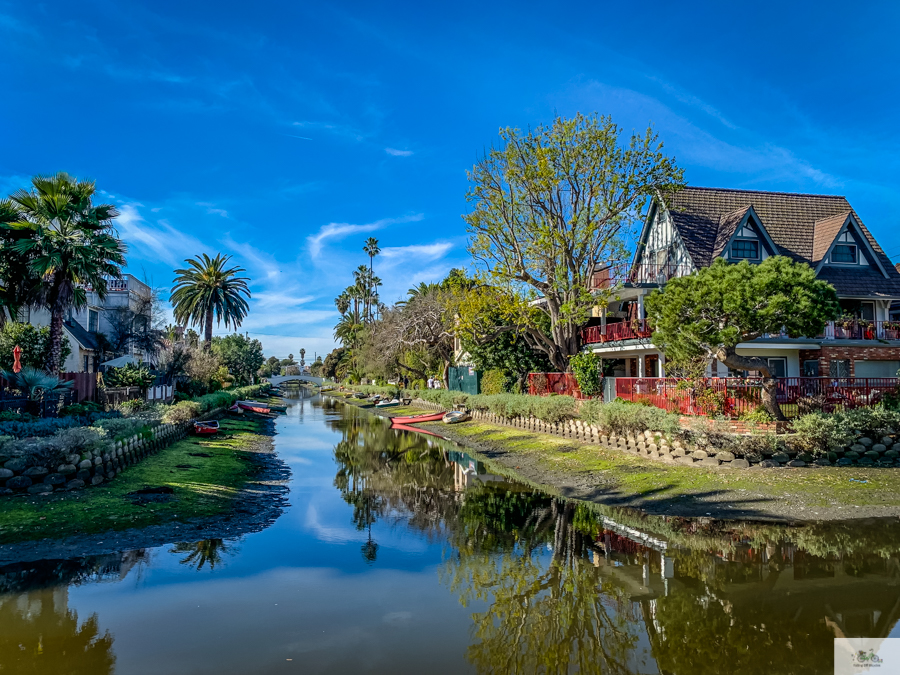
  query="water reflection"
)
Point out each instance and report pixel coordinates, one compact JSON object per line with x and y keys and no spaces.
{"x":200,"y":553}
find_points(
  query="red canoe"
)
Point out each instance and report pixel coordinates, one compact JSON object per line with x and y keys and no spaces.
{"x":413,"y":419}
{"x":210,"y":427}
{"x":247,"y":405}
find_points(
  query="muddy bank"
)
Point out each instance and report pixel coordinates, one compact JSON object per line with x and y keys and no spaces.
{"x":257,"y":504}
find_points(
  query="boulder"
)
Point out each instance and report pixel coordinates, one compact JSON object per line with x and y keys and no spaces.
{"x":769,"y":464}
{"x":66,"y":469}
{"x":852,"y":454}
{"x":822,"y":461}
{"x":83,"y":474}
{"x":85,"y":464}
{"x":887,"y":440}
{"x":75,"y":484}
{"x":16,"y":465}
{"x":866,"y":441}
{"x":700,"y":454}
{"x":781,"y":457}
{"x":725,"y":456}
{"x":74,"y":458}
{"x":805,"y":457}
{"x":753,"y":457}
{"x":685,"y":460}
{"x":5,"y":491}
{"x":858,"y":448}
{"x":796,"y":463}
{"x":845,"y":461}
{"x":709,"y":461}
{"x":739,"y":464}
{"x":893,"y":454}
{"x":18,"y":482}
{"x":866,"y":461}
{"x":96,"y":480}
{"x":5,"y":473}
{"x":879,"y":448}
{"x":40,"y":488}
{"x":55,"y":479}
{"x":36,"y":472}
{"x":873,"y":455}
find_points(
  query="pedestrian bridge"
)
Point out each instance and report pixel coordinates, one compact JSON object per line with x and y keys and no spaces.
{"x":281,"y":379}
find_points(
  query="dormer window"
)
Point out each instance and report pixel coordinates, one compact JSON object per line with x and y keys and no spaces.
{"x":744,"y":249}
{"x":844,"y":253}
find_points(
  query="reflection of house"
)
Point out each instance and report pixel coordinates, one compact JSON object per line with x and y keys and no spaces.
{"x":126,"y":304}
{"x":468,"y":471}
{"x":699,"y":225}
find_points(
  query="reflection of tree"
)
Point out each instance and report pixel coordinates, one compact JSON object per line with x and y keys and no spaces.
{"x":200,"y":553}
{"x":39,"y":633}
{"x":551,"y":614}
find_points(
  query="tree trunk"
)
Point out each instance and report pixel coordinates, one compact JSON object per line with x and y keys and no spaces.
{"x":446,"y":375}
{"x":769,"y":398}
{"x":209,"y":329}
{"x":56,"y":336}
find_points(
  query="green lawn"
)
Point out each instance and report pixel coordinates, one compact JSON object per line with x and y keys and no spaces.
{"x":206,"y":488}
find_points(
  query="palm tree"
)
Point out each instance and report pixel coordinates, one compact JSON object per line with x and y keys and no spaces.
{"x":207,"y":288}
{"x":342,"y":302}
{"x":371,"y":249}
{"x":71,"y":245}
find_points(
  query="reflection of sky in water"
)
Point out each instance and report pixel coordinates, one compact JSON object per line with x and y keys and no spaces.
{"x":299,"y":590}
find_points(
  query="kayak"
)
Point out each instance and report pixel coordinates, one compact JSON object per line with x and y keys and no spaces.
{"x":413,"y":419}
{"x":208,"y":427}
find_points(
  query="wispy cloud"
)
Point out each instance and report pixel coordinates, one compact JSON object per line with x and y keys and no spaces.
{"x":337,"y":129}
{"x":417,"y":251}
{"x":341,"y":230}
{"x":212,"y":209}
{"x":159,"y":240}
{"x":398,"y":153}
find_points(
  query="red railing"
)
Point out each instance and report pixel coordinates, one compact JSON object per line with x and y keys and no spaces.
{"x":544,"y":384}
{"x":616,"y":274}
{"x":624,"y":330}
{"x":732,"y":396}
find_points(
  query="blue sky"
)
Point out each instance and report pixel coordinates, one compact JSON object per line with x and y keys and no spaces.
{"x":287,"y":133}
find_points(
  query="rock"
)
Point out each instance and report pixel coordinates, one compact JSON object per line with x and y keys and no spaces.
{"x":66,"y":469}
{"x":85,"y":464}
{"x":851,"y":454}
{"x":699,"y":454}
{"x":18,"y":482}
{"x":796,"y":463}
{"x":74,"y":458}
{"x":866,"y":461}
{"x":845,"y":461}
{"x":822,"y":461}
{"x":879,"y":448}
{"x":36,"y":472}
{"x":98,"y":461}
{"x":685,"y":460}
{"x":781,"y":457}
{"x":887,"y":440}
{"x":805,"y":457}
{"x":5,"y":473}
{"x":709,"y":461}
{"x":769,"y":464}
{"x":84,"y":474}
{"x":678,"y":452}
{"x":76,"y":484}
{"x":5,"y":491}
{"x":55,"y":479}
{"x":856,"y":447}
{"x":753,"y":457}
{"x":866,"y":441}
{"x":40,"y":488}
{"x":725,"y":456}
{"x":16,"y":465}
{"x":874,"y":456}
{"x":96,"y":480}
{"x":739,"y":464}
{"x":893,"y":454}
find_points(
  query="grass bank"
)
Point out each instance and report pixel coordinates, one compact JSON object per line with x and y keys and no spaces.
{"x":205,"y":474}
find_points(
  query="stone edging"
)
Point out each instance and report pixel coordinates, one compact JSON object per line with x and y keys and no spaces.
{"x":91,"y":468}
{"x":654,"y":446}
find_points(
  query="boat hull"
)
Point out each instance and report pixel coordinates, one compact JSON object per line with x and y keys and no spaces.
{"x":413,"y":419}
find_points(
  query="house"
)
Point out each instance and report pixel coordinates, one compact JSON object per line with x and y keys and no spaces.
{"x":127,"y":301}
{"x":688,"y":230}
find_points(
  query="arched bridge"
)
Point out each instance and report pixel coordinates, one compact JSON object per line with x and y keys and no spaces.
{"x":281,"y":379}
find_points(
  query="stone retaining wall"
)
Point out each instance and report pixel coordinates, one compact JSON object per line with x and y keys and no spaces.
{"x":653,"y":445}
{"x":22,"y":475}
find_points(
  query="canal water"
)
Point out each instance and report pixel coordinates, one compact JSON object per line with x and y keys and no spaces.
{"x":399,"y":553}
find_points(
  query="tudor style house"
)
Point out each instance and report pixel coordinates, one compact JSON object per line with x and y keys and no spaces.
{"x":693,"y":227}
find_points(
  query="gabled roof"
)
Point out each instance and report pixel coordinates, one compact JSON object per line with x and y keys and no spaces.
{"x":791,"y":220}
{"x":80,"y":335}
{"x":824,"y":233}
{"x":728,"y":225}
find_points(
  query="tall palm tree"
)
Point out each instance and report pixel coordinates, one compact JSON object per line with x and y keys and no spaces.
{"x":71,"y":245}
{"x":207,"y":288}
{"x":342,"y":302}
{"x":371,"y":249}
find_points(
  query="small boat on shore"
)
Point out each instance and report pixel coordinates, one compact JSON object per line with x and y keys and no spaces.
{"x":456,"y":416}
{"x":414,"y":419}
{"x":253,"y":406}
{"x":387,"y":404}
{"x":207,"y":427}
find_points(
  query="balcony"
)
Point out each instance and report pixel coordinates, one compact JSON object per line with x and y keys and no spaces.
{"x":636,"y":329}
{"x":126,"y":283}
{"x":621,"y":274}
{"x":861,"y":329}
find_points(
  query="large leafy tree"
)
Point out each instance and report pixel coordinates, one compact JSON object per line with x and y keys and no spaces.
{"x":209,"y":289}
{"x":34,"y":343}
{"x":19,"y":284}
{"x":550,"y":204}
{"x":242,"y":355}
{"x":707,"y":314}
{"x":70,"y":244}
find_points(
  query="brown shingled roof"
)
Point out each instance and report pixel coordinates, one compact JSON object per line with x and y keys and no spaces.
{"x":797,"y":223}
{"x":824,"y":232}
{"x":728,"y":223}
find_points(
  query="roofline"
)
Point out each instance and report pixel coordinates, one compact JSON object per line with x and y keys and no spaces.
{"x":761,"y":192}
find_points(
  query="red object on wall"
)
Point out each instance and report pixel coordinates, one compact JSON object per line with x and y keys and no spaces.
{"x":17,"y":359}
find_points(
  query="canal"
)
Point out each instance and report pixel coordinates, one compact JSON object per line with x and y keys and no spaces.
{"x":399,"y":553}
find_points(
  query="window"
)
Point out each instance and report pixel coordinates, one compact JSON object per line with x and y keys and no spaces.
{"x":839,"y":368}
{"x":810,"y":369}
{"x":778,"y":367}
{"x":93,"y":320}
{"x":844,"y":253}
{"x":744,"y":249}
{"x":859,"y":309}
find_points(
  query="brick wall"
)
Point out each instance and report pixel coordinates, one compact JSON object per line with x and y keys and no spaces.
{"x":828,"y":353}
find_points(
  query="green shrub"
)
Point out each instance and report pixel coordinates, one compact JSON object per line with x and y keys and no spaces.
{"x":120,"y":427}
{"x":77,"y":409}
{"x":493,"y":382}
{"x":820,"y":432}
{"x":587,"y":370}
{"x":183,"y":411}
{"x":128,"y":408}
{"x":759,"y":415}
{"x":82,"y":439}
{"x":619,"y":417}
